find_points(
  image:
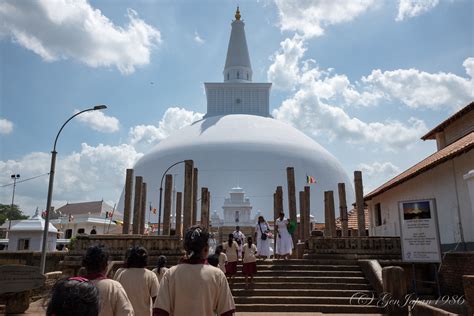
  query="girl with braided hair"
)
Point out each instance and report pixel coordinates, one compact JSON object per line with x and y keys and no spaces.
{"x":193,"y":287}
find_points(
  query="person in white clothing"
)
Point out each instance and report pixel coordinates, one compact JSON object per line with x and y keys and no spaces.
{"x":262,"y":231}
{"x":239,"y":238}
{"x":284,"y":242}
{"x":212,"y":244}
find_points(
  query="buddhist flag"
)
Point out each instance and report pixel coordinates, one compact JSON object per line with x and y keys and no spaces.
{"x":154,"y":210}
{"x":310,"y":179}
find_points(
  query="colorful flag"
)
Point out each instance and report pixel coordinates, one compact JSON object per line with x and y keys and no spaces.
{"x":109,"y":214}
{"x":71,"y":218}
{"x":310,"y":179}
{"x":154,"y":210}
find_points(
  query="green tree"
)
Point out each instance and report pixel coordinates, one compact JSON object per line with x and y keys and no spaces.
{"x":6,"y":212}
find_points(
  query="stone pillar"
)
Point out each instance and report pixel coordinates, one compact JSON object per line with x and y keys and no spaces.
{"x":195,"y":193}
{"x":279,"y":193}
{"x":179,"y":201}
{"x":205,"y":207}
{"x":307,"y":205}
{"x":302,"y":216}
{"x":290,"y":176}
{"x":127,"y":205}
{"x":137,"y":205}
{"x":143,"y":210}
{"x":167,"y":204}
{"x":330,"y":217}
{"x":188,"y":195}
{"x":359,"y":192}
{"x":343,"y":209}
{"x":394,"y":282}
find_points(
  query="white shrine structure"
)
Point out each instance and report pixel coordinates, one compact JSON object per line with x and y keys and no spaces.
{"x":238,"y":141}
{"x":237,"y":209}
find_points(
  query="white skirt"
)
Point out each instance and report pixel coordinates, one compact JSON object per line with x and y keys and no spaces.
{"x":263,"y":247}
{"x":284,"y":245}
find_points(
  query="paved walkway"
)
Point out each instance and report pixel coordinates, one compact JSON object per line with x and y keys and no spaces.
{"x":36,"y":309}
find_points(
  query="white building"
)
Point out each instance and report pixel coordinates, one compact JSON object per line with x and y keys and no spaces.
{"x":237,"y":209}
{"x":447,"y":176}
{"x":88,"y":218}
{"x":27,"y":235}
{"x":239,"y":142}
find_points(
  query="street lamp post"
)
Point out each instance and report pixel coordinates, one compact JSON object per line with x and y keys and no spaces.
{"x":50,"y":187}
{"x":14,"y":177}
{"x":161,"y":193}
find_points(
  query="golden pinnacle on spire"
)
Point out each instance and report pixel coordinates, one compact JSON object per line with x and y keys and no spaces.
{"x":237,"y":14}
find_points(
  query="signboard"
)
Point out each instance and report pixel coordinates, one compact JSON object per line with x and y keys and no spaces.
{"x":19,"y":278}
{"x":419,"y":231}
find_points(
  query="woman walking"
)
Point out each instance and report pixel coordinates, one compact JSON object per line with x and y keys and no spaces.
{"x":160,"y":267}
{"x":231,"y":249}
{"x":284,"y":242}
{"x":249,"y":251}
{"x":194,"y":287}
{"x":262,"y":231}
{"x":222,"y":258}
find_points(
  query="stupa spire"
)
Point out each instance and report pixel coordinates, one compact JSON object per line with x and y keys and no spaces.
{"x":237,"y":64}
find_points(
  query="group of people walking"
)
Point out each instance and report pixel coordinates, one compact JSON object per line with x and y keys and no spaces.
{"x":192,"y":287}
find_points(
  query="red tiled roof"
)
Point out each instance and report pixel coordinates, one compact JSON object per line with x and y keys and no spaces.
{"x":352,"y":219}
{"x":457,"y":148}
{"x":96,"y":208}
{"x":432,"y":134}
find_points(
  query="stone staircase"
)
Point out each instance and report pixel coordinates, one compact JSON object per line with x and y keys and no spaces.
{"x":305,"y":285}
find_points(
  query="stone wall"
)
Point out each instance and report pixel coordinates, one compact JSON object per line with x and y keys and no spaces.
{"x":30,"y":258}
{"x":454,"y":266}
{"x":361,"y":246}
{"x":117,"y":245}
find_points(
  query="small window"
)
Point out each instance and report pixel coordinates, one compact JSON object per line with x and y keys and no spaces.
{"x":247,"y":76}
{"x":238,"y":75}
{"x":68,"y":234}
{"x":23,"y":244}
{"x":378,"y":214}
{"x":237,"y":101}
{"x":228,"y":76}
{"x":81,"y":231}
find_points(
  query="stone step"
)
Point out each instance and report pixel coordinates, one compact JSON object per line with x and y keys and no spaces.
{"x":300,"y":267}
{"x":316,"y":261}
{"x":310,"y":273}
{"x":349,"y":256}
{"x":299,"y":286}
{"x":304,"y":279}
{"x":314,"y":308}
{"x":334,"y":300}
{"x":303,"y":292}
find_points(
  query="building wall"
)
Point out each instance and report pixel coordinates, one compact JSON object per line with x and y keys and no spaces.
{"x":459,"y":128}
{"x":446,"y":185}
{"x":99,"y":227}
{"x":36,"y":240}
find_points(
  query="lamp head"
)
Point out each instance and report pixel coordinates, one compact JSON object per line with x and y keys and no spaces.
{"x":100,"y":107}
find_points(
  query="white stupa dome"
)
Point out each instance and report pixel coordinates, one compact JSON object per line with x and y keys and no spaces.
{"x":238,"y":144}
{"x":248,"y":150}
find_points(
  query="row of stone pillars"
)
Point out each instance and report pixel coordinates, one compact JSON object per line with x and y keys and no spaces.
{"x":186,"y":203}
{"x":330,"y":229}
{"x":304,"y":227}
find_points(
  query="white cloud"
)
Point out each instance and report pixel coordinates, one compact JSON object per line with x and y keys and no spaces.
{"x":419,"y":89}
{"x":306,"y":111}
{"x":174,"y":119}
{"x":377,"y":173}
{"x":92,"y":173}
{"x":64,"y":29}
{"x":6,"y":127}
{"x":98,"y":121}
{"x":309,"y":18}
{"x":412,"y":8}
{"x":198,"y":38}
{"x":284,"y":72}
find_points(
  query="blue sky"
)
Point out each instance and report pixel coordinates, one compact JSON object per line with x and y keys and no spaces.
{"x":366,"y":80}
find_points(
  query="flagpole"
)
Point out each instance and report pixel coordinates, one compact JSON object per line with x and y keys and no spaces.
{"x":110,"y":222}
